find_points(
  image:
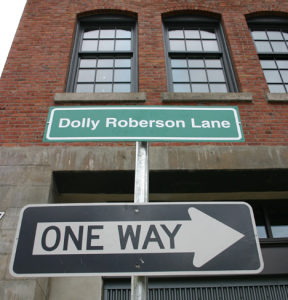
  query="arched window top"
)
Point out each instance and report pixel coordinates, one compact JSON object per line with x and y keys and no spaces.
{"x":107,"y":18}
{"x":191,"y":16}
{"x":267,"y":19}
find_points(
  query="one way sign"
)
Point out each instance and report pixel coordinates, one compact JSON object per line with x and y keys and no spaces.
{"x":129,"y":239}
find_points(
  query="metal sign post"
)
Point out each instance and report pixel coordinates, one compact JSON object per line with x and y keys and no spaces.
{"x":139,"y":284}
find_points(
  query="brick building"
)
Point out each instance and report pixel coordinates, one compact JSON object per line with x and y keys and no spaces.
{"x":117,"y":52}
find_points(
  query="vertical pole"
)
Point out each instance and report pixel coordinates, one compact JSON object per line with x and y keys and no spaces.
{"x":141,"y":191}
{"x":139,"y":284}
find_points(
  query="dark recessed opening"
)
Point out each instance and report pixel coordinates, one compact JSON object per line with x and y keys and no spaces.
{"x":175,"y":181}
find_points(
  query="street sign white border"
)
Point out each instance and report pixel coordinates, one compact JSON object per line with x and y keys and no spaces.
{"x":129,"y":274}
{"x":117,"y":138}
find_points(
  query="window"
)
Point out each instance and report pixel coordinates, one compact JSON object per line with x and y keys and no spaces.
{"x":104,"y":58}
{"x":271,"y":41}
{"x":197,"y":57}
{"x":271,"y":219}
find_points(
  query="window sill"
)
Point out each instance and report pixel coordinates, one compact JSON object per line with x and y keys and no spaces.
{"x":277,"y":97}
{"x":99,"y":97}
{"x":207,"y":97}
{"x":273,"y":241}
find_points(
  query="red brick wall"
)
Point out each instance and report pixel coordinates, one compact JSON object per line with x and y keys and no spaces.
{"x":39,"y":61}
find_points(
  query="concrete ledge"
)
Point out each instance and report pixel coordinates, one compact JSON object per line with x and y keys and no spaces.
{"x":206,"y":97}
{"x":92,"y":158}
{"x":99,"y":97}
{"x":277,"y":97}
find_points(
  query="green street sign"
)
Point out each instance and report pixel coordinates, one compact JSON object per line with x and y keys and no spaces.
{"x":143,"y":123}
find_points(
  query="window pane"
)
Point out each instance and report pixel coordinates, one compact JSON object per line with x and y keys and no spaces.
{"x":208,"y":34}
{"x":122,"y":75}
{"x":279,"y":222}
{"x":259,"y":35}
{"x":196,"y":63}
{"x":179,"y":63}
{"x":177,"y":45}
{"x":200,"y":88}
{"x":268,"y":64}
{"x":218,"y":88}
{"x":193,"y":45}
{"x":210,"y":46}
{"x":272,"y":76}
{"x":106,"y":45}
{"x":122,"y":63}
{"x":181,"y":88}
{"x":263,"y":47}
{"x":180,"y":75}
{"x":123,"y":34}
{"x":86,"y":76}
{"x":197,"y":75}
{"x":176,"y":34}
{"x":89,"y":45}
{"x":274,"y":35}
{"x":284,"y":75}
{"x":93,"y":34}
{"x":87,"y":63}
{"x":84,"y":88}
{"x":107,"y":33}
{"x":104,"y":75}
{"x":105,"y":63}
{"x":276,"y":88}
{"x":282,"y":64}
{"x":280,"y":231}
{"x":213,"y":63}
{"x":216,"y":76}
{"x":192,"y":34}
{"x":122,"y":88}
{"x":279,"y":46}
{"x":122,"y":45}
{"x":103,"y":88}
{"x":261,"y":230}
{"x":285,"y":34}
